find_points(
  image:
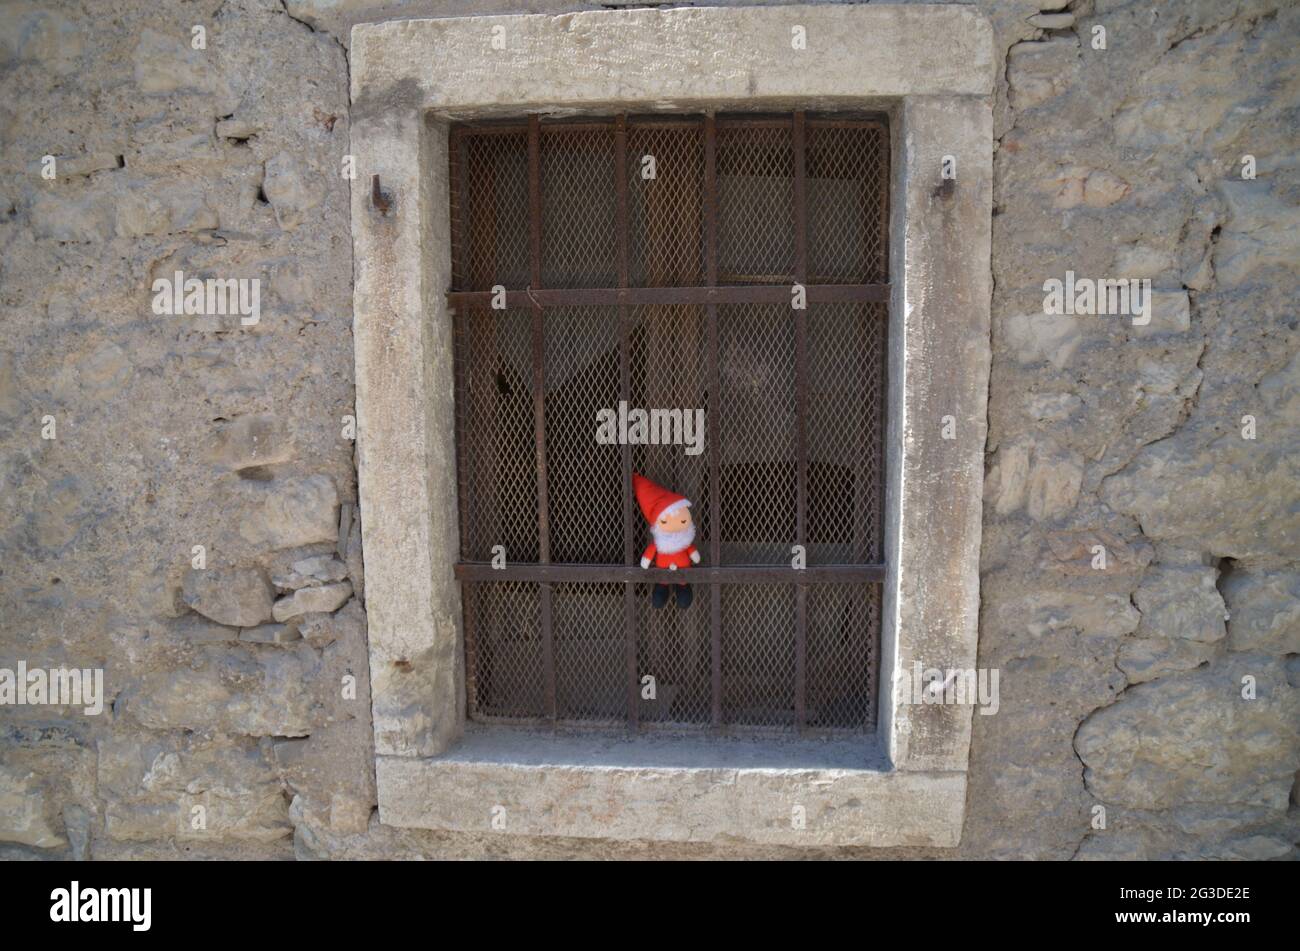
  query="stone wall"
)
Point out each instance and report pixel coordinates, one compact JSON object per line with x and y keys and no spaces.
{"x":242,"y":688}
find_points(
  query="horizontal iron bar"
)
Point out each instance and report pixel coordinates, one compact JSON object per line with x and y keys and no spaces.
{"x":729,"y":294}
{"x":701,"y":574}
{"x":667,"y":121}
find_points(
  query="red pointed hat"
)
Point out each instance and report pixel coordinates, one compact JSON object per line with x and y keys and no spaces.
{"x":655,"y":499}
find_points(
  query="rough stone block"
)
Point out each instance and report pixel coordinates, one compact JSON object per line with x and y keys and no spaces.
{"x":189,"y":788}
{"x":1194,"y":737}
{"x":1181,"y":602}
{"x":240,"y":691}
{"x":256,"y":439}
{"x":311,"y":572}
{"x":292,"y":190}
{"x":25,"y":810}
{"x":1146,"y":658}
{"x":323,"y":599}
{"x":288,"y":512}
{"x":237,"y":597}
{"x":270,"y":634}
{"x":1263,"y":610}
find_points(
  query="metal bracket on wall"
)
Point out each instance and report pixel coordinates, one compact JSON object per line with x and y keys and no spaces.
{"x":379,"y":198}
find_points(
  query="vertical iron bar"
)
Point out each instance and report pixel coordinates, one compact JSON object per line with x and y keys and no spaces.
{"x":883,"y":275}
{"x":456,"y":190}
{"x":862,"y":337}
{"x":539,"y":405}
{"x":460,"y":350}
{"x":467,"y":589}
{"x":625,"y":394}
{"x":535,"y":201}
{"x":861,"y":329}
{"x":715,"y":404}
{"x":875,"y":627}
{"x":886,"y":275}
{"x":798,"y":144}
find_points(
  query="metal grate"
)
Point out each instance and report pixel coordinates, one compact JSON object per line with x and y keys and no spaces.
{"x":757,"y":465}
{"x":848,"y":190}
{"x":582,"y":377}
{"x":756,"y":233}
{"x":665,"y":167}
{"x":504,"y":659}
{"x":498,"y":478}
{"x":578,"y":237}
{"x":490,"y":201}
{"x":845,"y":427}
{"x":651,"y":262}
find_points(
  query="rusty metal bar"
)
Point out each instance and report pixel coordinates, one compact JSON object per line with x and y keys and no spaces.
{"x":564,"y":125}
{"x":667,"y":296}
{"x":456,"y":189}
{"x":887,"y":201}
{"x":715,"y":408}
{"x":876,"y":622}
{"x":539,"y":406}
{"x":798,"y":148}
{"x":798,"y":144}
{"x":513,"y":127}
{"x":625,"y":394}
{"x":468,"y":596}
{"x":555,"y":573}
{"x":460,"y":353}
{"x":534,"y":203}
{"x":733,"y":121}
{"x":858,"y":530}
{"x":461,"y":357}
{"x":462,"y":403}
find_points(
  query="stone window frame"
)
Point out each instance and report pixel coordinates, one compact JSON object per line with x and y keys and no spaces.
{"x":931,"y":69}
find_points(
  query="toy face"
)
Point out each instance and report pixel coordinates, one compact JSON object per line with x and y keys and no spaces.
{"x":675,"y":521}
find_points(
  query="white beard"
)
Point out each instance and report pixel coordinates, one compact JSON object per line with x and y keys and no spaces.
{"x":671,"y":542}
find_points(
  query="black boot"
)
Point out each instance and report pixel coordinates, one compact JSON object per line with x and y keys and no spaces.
{"x":660,"y":596}
{"x":684,"y":596}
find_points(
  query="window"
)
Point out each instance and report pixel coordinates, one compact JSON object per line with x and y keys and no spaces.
{"x":735,"y":265}
{"x":933,"y":69}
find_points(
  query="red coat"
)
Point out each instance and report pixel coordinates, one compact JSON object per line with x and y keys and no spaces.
{"x":682,"y":559}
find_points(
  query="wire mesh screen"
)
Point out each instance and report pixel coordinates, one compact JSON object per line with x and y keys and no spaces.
{"x":756,"y":235}
{"x":504,"y":659}
{"x":848,"y":193}
{"x":668,"y":351}
{"x":650,"y":266}
{"x":591,"y":652}
{"x":666,"y":201}
{"x":582,"y":378}
{"x":758,"y":655}
{"x":758,"y":406}
{"x":674,"y":650}
{"x":842,"y":665}
{"x":579,"y":248}
{"x":845,"y":427}
{"x":489,"y":200}
{"x":497,"y":465}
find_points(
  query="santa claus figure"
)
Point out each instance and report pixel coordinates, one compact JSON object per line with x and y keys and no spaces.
{"x":669,"y":517}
